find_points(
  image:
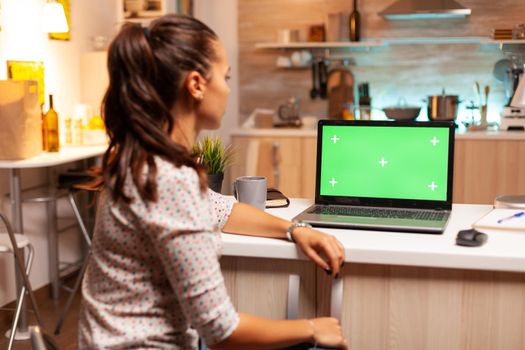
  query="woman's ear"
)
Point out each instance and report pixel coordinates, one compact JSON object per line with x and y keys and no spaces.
{"x":195,"y":84}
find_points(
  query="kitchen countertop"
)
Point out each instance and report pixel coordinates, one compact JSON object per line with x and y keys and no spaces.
{"x":503,"y":251}
{"x":310,"y":132}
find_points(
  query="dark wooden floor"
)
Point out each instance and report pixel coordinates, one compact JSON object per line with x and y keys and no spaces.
{"x":50,"y":310}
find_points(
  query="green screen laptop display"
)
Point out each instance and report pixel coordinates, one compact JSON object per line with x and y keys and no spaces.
{"x":384,"y":162}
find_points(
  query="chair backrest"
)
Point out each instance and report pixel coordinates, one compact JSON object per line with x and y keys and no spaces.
{"x":5,"y":226}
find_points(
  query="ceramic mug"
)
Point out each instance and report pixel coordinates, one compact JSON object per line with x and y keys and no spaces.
{"x":251,"y":190}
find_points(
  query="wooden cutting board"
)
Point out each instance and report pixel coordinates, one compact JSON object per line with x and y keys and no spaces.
{"x":340,"y":88}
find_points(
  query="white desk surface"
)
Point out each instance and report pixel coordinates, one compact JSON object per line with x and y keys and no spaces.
{"x":48,"y":159}
{"x":503,"y":251}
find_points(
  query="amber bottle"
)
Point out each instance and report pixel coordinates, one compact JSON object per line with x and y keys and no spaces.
{"x":51,"y":121}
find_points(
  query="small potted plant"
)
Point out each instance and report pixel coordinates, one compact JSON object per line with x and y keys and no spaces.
{"x":215,"y":157}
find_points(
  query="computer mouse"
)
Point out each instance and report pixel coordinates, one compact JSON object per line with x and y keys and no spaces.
{"x":470,"y":238}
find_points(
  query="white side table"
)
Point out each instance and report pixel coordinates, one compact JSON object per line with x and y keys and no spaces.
{"x":43,"y":160}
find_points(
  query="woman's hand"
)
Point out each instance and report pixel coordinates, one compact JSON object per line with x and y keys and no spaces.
{"x":327,"y":332}
{"x":325,"y":250}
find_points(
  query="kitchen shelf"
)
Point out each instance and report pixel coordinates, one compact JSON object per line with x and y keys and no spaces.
{"x":367,"y":44}
{"x":321,"y":45}
{"x":509,"y":46}
{"x":436,"y":40}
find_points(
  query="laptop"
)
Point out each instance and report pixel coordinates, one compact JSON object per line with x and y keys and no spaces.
{"x":383,"y":175}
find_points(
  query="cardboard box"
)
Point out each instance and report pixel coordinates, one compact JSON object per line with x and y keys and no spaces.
{"x":20,"y":120}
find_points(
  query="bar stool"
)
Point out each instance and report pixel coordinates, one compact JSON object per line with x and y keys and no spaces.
{"x":41,"y":340}
{"x":90,"y":182}
{"x":8,"y":242}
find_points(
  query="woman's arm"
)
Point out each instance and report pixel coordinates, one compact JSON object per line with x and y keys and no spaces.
{"x":257,"y":333}
{"x":325,"y":250}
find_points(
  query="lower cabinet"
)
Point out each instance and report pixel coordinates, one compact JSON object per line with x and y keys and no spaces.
{"x":261,"y":286}
{"x":483,"y":168}
{"x":287,"y":162}
{"x":391,"y":307}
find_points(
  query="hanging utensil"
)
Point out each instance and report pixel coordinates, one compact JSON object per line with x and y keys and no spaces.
{"x":314,"y":92}
{"x":340,"y":88}
{"x":323,"y":78}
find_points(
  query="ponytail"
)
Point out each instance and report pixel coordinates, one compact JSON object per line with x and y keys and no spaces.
{"x":146,"y":68}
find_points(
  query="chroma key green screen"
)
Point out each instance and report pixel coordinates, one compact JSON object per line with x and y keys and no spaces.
{"x":385,"y":162}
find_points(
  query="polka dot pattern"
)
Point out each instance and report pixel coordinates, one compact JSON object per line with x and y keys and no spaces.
{"x":154,"y":280}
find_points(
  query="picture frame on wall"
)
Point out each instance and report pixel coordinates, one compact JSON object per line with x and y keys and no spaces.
{"x":28,"y":70}
{"x":142,"y":10}
{"x":185,"y":7}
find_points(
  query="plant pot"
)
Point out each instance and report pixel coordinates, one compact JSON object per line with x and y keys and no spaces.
{"x":215,"y":182}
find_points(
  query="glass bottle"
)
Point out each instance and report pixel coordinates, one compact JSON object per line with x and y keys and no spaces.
{"x":52,"y":128}
{"x":354,"y":24}
{"x":78,"y":132}
{"x":68,"y":125}
{"x":43,"y":127}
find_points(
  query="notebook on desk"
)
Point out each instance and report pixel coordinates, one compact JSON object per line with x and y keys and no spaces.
{"x":383,"y":175}
{"x":502,"y":219}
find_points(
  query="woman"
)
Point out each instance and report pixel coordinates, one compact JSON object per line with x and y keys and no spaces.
{"x":154,"y":280}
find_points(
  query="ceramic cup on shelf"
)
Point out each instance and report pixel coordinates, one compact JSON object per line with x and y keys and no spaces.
{"x":285,"y":36}
{"x":251,"y":190}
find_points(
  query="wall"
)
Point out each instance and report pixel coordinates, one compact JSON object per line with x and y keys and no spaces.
{"x":410,"y":71}
{"x":21,"y":38}
{"x":221,"y":17}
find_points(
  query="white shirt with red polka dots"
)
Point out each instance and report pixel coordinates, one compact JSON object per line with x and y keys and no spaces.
{"x":154,"y":279}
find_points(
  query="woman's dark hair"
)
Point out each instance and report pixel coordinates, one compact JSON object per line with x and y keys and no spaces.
{"x":147,"y":68}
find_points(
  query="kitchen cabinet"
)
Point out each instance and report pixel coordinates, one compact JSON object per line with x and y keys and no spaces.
{"x":486,"y":168}
{"x":410,"y":307}
{"x":262,"y":286}
{"x":386,"y":306}
{"x":287,"y":162}
{"x":487,"y":164}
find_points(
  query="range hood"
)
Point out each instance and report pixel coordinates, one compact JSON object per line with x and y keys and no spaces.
{"x":424,"y":9}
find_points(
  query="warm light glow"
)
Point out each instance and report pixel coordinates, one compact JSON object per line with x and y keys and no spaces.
{"x":54,"y":20}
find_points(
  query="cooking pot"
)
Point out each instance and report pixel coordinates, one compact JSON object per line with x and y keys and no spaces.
{"x":442,"y":107}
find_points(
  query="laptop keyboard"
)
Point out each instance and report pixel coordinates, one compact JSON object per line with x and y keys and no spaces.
{"x":380,"y":213}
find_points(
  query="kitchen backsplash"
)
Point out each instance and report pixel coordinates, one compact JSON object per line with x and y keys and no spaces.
{"x":412,"y":71}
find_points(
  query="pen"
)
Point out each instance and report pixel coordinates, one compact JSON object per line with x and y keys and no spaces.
{"x":517,"y":215}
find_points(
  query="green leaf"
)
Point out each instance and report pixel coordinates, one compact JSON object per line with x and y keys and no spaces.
{"x":211,"y":152}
